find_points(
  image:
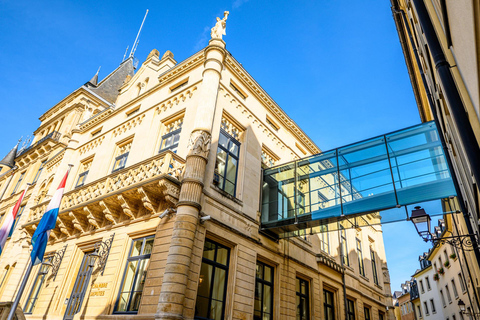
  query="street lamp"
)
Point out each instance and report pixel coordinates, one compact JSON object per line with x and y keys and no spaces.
{"x":421,"y":220}
{"x":461,"y":305}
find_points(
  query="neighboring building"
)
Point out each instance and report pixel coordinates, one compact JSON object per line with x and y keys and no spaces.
{"x":440,"y":42}
{"x":406,"y":310}
{"x":165,"y":190}
{"x":396,"y":305}
{"x":441,"y":264}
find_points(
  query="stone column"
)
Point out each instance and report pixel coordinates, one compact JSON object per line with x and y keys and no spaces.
{"x":175,"y":278}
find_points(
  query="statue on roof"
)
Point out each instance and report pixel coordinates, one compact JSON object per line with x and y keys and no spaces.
{"x":219,"y":29}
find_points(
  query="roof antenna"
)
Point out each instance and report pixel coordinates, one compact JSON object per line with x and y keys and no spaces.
{"x":126,"y":50}
{"x":135,"y":43}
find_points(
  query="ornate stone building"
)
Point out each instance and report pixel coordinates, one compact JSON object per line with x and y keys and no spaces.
{"x":161,"y":213}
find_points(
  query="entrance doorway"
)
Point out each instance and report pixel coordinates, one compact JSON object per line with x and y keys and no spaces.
{"x":80,"y":287}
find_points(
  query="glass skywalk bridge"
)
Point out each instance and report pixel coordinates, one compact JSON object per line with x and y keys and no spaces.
{"x":351,"y":185}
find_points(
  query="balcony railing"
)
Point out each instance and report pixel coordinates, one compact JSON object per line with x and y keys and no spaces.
{"x":125,"y":194}
{"x":392,"y":170}
{"x":55,"y":135}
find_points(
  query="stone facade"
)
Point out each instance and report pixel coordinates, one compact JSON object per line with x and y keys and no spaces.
{"x":148,"y":180}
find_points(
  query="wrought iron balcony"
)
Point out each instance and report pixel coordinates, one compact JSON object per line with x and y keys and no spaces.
{"x":142,"y":189}
{"x":54,"y":135}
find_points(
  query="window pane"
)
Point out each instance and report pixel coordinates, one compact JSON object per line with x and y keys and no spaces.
{"x":216,"y":310}
{"x":221,"y":160}
{"x":268,"y":274}
{"x":233,"y":148}
{"x":231,"y":170}
{"x":137,"y":248}
{"x":258,"y":296}
{"x":267,"y":299}
{"x":219,"y":284}
{"x":148,"y":246}
{"x":222,"y":140}
{"x":222,"y":255}
{"x":122,"y":303}
{"x":209,"y":251}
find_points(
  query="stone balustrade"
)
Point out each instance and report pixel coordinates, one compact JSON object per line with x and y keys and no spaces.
{"x":145,"y":188}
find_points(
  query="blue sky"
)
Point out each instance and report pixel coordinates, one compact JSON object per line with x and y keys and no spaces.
{"x":336,"y":67}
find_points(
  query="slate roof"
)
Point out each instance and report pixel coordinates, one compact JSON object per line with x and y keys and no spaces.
{"x":9,"y":159}
{"x":109,"y":87}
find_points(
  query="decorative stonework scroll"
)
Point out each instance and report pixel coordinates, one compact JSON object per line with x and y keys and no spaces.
{"x":199,"y":143}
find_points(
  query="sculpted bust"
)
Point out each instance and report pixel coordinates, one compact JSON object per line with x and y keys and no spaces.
{"x":219,"y":29}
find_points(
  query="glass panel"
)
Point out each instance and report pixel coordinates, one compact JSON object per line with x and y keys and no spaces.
{"x":222,"y":255}
{"x":233,"y":148}
{"x":137,"y":248}
{"x":267,"y":299}
{"x":231,"y":170}
{"x":148,"y":246}
{"x":219,"y":284}
{"x":216,"y":310}
{"x":129,"y":275}
{"x":258,"y":296}
{"x":223,"y":141}
{"x":122,"y":303}
{"x":268,"y":274}
{"x":209,"y":250}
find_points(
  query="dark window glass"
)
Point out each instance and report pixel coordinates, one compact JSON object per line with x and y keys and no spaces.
{"x":120,"y":162}
{"x":170,"y":141}
{"x":263,"y":292}
{"x":361,"y":268}
{"x":37,"y":286}
{"x":37,"y":175}
{"x":366,"y":311}
{"x":212,"y":284}
{"x":374,"y":266}
{"x":328,"y":305}
{"x":226,"y":165}
{"x":350,"y":310}
{"x":135,"y":275}
{"x":17,"y":218}
{"x":18,"y":182}
{"x":381,"y":316}
{"x":81,"y":179}
{"x":344,"y":246}
{"x":303,"y":303}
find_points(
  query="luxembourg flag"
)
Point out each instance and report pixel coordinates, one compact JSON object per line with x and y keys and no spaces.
{"x":9,"y":220}
{"x":47,"y":223}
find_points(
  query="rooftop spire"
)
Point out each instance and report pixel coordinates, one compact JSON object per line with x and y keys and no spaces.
{"x":9,"y":159}
{"x":94,"y":80}
{"x":135,"y":43}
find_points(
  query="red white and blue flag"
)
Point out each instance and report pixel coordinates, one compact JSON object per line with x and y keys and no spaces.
{"x":9,"y":221}
{"x":47,"y":223}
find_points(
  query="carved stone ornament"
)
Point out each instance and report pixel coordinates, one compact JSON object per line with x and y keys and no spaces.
{"x":199,"y":143}
{"x":219,"y":29}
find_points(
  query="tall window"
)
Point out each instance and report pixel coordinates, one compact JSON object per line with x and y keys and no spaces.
{"x":421,"y":286}
{"x":303,"y":303}
{"x":324,"y":243}
{"x":433,"y":306}
{"x":84,"y":167}
{"x":17,"y":218}
{"x":428,"y":283}
{"x":37,"y":175}
{"x":361,"y":268}
{"x":425,"y":306}
{"x":443,"y":298}
{"x":19,"y":182}
{"x":172,"y":136}
{"x":134,"y":277}
{"x":374,"y":266}
{"x":122,"y":156}
{"x":367,"y":313}
{"x":447,"y":291}
{"x":350,"y":309}
{"x":454,"y":287}
{"x":226,"y":166}
{"x":343,"y":236}
{"x":462,"y":284}
{"x":419,"y":311}
{"x":381,"y":315}
{"x":37,"y":286}
{"x":212,"y":285}
{"x":328,"y":305}
{"x":263,"y":292}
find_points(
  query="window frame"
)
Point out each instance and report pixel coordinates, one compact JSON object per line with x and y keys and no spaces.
{"x":118,"y":158}
{"x":39,"y":171}
{"x":367,"y":313}
{"x":264,"y":283}
{"x":129,"y":259}
{"x":350,"y":313}
{"x":230,"y":139}
{"x":81,"y":175}
{"x":173,"y":147}
{"x":361,"y":266}
{"x":425,"y":306}
{"x":215,"y":265}
{"x":19,"y":182}
{"x":305,"y":295}
{"x":328,"y":306}
{"x":41,"y":275}
{"x":343,"y":240}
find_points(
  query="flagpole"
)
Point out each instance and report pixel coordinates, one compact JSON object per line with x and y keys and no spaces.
{"x":20,"y":291}
{"x":24,"y":280}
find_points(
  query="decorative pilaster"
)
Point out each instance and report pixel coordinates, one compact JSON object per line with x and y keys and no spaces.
{"x":175,"y":278}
